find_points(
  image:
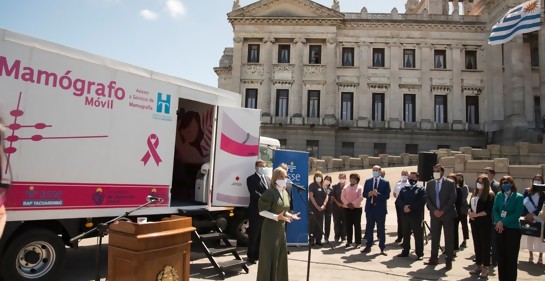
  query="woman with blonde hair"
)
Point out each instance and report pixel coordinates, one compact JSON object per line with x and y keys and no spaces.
{"x":273,"y":206}
{"x":480,"y":218}
{"x":317,"y":202}
{"x":533,"y":203}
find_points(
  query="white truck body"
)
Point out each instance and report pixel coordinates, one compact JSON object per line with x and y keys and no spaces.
{"x":90,"y":137}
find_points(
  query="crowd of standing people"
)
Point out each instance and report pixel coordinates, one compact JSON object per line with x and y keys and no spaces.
{"x":500,"y":219}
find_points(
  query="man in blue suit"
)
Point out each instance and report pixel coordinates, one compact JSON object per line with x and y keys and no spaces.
{"x":377,"y":192}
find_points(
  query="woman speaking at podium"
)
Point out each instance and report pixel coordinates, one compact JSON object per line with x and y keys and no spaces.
{"x":273,"y":206}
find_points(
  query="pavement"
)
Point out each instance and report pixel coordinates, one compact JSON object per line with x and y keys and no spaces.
{"x":326,"y":263}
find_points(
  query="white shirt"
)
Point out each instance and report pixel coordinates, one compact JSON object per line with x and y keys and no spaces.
{"x":400,"y":185}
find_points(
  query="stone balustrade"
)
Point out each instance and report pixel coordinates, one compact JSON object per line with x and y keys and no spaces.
{"x":522,"y":161}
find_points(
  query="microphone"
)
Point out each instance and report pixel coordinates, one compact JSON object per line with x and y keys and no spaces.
{"x":153,"y":199}
{"x":299,"y":187}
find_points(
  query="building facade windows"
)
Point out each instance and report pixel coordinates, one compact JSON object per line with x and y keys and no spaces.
{"x":347,"y":56}
{"x":347,"y":105}
{"x":347,"y":149}
{"x":251,"y":98}
{"x":472,"y":109}
{"x":313,"y":148}
{"x":253,"y":53}
{"x":411,"y":148}
{"x":471,"y":59}
{"x":409,"y":108}
{"x":534,"y":56}
{"x":379,"y":148}
{"x":440,"y":109}
{"x":282,"y":103}
{"x":409,"y":58}
{"x":378,"y":107}
{"x":440,"y":59}
{"x":378,"y":57}
{"x":313,"y":104}
{"x":315,"y":54}
{"x":283,"y":53}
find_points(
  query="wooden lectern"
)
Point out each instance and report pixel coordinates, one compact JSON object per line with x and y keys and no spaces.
{"x":150,"y":251}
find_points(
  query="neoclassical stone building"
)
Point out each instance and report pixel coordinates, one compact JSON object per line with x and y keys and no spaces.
{"x":337,"y":83}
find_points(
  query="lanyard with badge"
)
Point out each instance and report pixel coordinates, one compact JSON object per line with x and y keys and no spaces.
{"x":504,"y":212}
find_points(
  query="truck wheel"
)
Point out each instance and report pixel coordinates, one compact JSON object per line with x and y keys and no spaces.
{"x":35,"y":254}
{"x":242,"y":224}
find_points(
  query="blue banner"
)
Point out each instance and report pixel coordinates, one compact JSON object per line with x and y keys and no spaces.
{"x":297,"y":161}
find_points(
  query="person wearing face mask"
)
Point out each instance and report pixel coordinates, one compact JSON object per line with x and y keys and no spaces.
{"x":508,"y":207}
{"x":377,"y":191}
{"x":352,"y":198}
{"x":480,"y":217}
{"x":495,"y":188}
{"x":339,"y":216}
{"x":318,"y":201}
{"x":399,"y":211}
{"x":533,"y":203}
{"x":327,"y":212}
{"x":411,"y":200}
{"x":441,"y":199}
{"x":462,"y":191}
{"x":273,"y":206}
{"x":257,"y":184}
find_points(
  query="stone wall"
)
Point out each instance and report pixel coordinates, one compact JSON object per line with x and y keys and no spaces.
{"x":522,"y":161}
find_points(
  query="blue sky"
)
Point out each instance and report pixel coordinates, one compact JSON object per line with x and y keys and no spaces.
{"x":183,"y":38}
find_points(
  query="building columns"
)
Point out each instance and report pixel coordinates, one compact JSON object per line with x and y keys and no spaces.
{"x":298,"y":74}
{"x":267,"y":75}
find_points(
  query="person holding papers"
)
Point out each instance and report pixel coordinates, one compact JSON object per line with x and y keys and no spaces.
{"x":533,"y":203}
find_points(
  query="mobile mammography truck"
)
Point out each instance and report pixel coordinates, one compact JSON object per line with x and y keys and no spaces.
{"x":88,"y":139}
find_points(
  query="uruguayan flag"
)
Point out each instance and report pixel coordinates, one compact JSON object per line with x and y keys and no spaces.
{"x":524,"y":18}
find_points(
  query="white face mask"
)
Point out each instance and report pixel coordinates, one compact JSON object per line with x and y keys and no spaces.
{"x":261,"y":170}
{"x":318,"y":179}
{"x":404,"y":178}
{"x":537,"y":182}
{"x":480,"y":186}
{"x":281,"y":182}
{"x":436,"y":175}
{"x":326,"y":182}
{"x":342,"y":180}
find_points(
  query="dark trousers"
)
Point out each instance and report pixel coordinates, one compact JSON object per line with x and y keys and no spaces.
{"x":353,"y":225}
{"x":481,"y":242}
{"x":378,"y":218}
{"x":437,"y":224}
{"x":508,"y":245}
{"x":399,"y":213}
{"x":316,"y":225}
{"x":493,"y":248}
{"x":413,"y":225}
{"x":339,"y":221}
{"x":327,"y":223}
{"x":461,"y":219}
{"x":254,"y":236}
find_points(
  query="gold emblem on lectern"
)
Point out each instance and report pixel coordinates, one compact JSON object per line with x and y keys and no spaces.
{"x":168,"y":274}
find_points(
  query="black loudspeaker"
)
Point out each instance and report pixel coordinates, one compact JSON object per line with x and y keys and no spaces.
{"x":426,"y":161}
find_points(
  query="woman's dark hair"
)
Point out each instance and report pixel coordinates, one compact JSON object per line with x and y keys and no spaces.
{"x":355,"y":176}
{"x":536,"y":177}
{"x":510,"y":180}
{"x":184,"y":120}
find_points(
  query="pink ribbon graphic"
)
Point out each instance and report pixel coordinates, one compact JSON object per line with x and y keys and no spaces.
{"x":153,"y":143}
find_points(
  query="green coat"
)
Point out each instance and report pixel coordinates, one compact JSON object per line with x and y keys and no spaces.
{"x":273,"y":252}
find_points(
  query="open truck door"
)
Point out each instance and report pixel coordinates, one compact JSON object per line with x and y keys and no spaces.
{"x":237,"y":149}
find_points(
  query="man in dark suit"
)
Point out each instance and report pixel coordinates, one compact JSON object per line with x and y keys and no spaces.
{"x":411,"y":201}
{"x":377,"y":191}
{"x":441,"y":199}
{"x":257,"y":184}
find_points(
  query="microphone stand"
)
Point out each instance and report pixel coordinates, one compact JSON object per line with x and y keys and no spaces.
{"x":310,"y":236}
{"x":102,"y":229}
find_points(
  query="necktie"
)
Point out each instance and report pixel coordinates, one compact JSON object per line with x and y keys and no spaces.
{"x":374,"y":188}
{"x":437,"y":190}
{"x":263,"y":180}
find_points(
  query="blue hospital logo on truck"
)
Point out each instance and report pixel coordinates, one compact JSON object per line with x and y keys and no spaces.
{"x":163,"y":107}
{"x":163,"y":103}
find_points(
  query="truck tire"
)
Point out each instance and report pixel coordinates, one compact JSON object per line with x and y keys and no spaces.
{"x":35,"y":254}
{"x":240,"y":230}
